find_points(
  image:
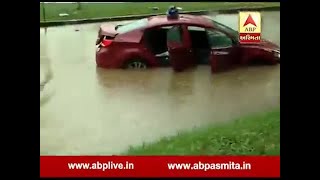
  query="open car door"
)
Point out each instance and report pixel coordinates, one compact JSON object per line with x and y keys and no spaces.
{"x":179,"y":47}
{"x":225,"y":54}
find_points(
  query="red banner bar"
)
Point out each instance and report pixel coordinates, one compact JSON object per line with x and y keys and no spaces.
{"x":159,"y":166}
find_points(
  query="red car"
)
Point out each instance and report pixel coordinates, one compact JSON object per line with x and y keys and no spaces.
{"x":181,"y":43}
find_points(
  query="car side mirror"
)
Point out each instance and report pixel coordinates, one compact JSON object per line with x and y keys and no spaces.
{"x":235,"y":42}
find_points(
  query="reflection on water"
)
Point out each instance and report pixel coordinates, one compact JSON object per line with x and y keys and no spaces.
{"x":98,"y":111}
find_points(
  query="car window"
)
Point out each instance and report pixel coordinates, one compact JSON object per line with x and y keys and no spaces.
{"x":132,"y":26}
{"x":198,"y":37}
{"x":218,"y":39}
{"x":224,"y":28}
{"x":175,"y":34}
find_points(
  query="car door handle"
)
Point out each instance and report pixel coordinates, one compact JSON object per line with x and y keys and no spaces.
{"x":220,"y":53}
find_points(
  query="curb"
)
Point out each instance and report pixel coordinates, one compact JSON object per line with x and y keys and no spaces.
{"x":132,"y":17}
{"x":231,"y":11}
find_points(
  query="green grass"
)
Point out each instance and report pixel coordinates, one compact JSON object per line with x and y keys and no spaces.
{"x":95,"y":10}
{"x":253,"y":135}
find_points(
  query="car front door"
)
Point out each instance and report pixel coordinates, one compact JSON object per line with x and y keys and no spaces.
{"x":179,"y":47}
{"x":225,"y":54}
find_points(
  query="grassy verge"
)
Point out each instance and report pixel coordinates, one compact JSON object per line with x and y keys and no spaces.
{"x":253,"y":135}
{"x":95,"y":10}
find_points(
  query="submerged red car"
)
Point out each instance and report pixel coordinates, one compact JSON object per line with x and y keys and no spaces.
{"x":181,"y":43}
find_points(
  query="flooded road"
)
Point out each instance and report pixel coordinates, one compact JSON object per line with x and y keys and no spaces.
{"x":85,"y":110}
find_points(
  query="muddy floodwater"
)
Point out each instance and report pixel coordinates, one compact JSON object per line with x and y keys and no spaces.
{"x":86,"y":110}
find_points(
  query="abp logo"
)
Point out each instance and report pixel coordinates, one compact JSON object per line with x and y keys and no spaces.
{"x":249,"y":27}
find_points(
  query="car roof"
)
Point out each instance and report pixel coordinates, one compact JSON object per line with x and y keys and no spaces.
{"x":183,"y":19}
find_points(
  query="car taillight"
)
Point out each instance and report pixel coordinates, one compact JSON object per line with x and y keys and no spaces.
{"x":106,"y":42}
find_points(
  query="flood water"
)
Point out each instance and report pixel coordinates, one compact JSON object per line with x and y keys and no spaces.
{"x":86,"y":110}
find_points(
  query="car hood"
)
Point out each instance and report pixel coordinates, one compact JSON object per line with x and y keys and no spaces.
{"x":264,"y":44}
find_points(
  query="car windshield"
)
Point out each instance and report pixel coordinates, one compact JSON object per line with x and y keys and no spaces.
{"x":132,"y":26}
{"x":225,"y":28}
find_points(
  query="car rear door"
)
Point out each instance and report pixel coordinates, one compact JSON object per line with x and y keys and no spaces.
{"x":179,"y":47}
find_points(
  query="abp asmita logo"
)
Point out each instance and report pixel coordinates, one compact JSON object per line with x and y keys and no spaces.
{"x":249,"y":27}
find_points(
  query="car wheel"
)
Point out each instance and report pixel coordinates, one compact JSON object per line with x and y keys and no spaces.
{"x":136,"y":64}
